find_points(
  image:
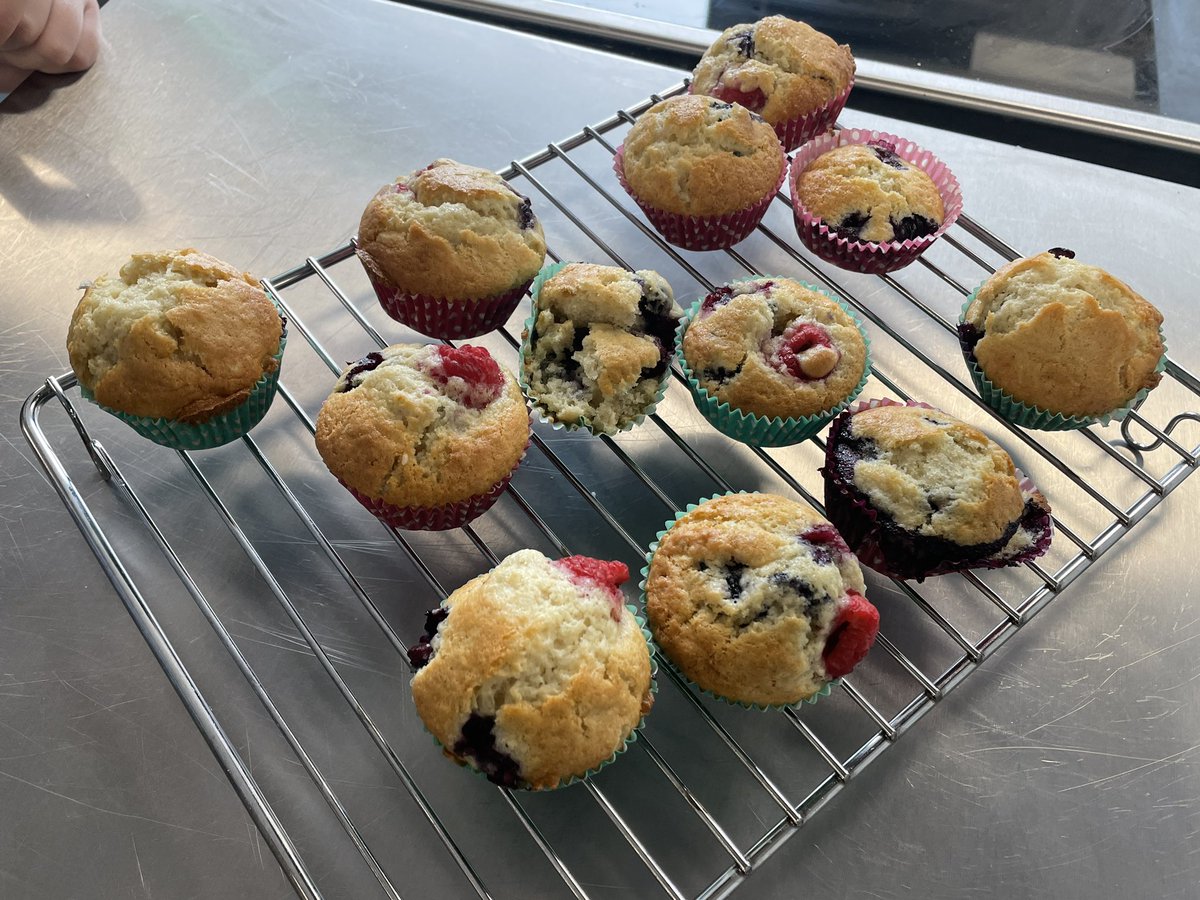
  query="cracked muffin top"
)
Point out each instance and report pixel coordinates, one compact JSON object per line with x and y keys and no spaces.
{"x":535,"y":671}
{"x":452,"y":231}
{"x":176,"y":335}
{"x":423,"y":424}
{"x":700,"y":156}
{"x":1064,"y":336}
{"x":772,"y":347}
{"x":777,"y":67}
{"x":865,"y":192}
{"x":758,"y":599}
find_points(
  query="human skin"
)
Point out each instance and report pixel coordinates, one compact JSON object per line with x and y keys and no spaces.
{"x":54,"y":36}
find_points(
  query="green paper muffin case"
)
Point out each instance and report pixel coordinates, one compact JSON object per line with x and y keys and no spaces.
{"x":760,"y":431}
{"x":1034,"y":417}
{"x":824,"y":691}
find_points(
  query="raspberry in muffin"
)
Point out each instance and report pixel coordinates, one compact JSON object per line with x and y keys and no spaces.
{"x":424,"y":436}
{"x":181,"y":346}
{"x":915,"y":492}
{"x":758,"y":600}
{"x":1062,"y":336}
{"x":450,"y":249}
{"x":773,"y":348}
{"x":794,"y":76}
{"x":535,"y":673}
{"x":703,"y":170}
{"x":599,"y":345}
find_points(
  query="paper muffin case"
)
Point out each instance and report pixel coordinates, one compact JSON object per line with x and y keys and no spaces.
{"x":760,"y":431}
{"x":864,"y":256}
{"x":901,"y":556}
{"x":221,"y":429}
{"x":439,"y":317}
{"x":794,"y":132}
{"x":1035,"y":417}
{"x":629,"y":739}
{"x":823,"y":691}
{"x":540,"y":410}
{"x":436,"y":518}
{"x":702,"y":232}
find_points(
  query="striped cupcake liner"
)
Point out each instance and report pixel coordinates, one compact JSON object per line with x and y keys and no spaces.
{"x":864,"y":256}
{"x":1034,"y":417}
{"x":823,"y":691}
{"x":761,"y":431}
{"x":795,"y":131}
{"x":439,"y":317}
{"x":525,"y":364}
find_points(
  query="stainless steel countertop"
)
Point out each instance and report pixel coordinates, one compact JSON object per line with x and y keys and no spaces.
{"x":1066,"y":767}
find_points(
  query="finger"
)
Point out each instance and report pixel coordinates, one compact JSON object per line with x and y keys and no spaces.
{"x":88,"y":47}
{"x":21,"y":22}
{"x":55,"y":46}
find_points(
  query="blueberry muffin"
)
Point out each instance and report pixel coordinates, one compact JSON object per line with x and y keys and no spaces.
{"x":1063,"y":336}
{"x":182,"y":346}
{"x":703,"y":170}
{"x":783,"y":70}
{"x":916,"y":492}
{"x":758,"y":600}
{"x":425,"y":436}
{"x":450,"y":247}
{"x":600,"y":344}
{"x":775,"y":348}
{"x":535,"y":673}
{"x":865,"y":192}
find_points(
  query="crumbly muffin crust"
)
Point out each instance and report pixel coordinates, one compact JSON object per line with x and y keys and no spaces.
{"x":398,"y":428}
{"x":743,"y":593}
{"x":601,"y":344}
{"x":865,"y":192}
{"x":777,"y":67}
{"x":176,"y":335}
{"x":452,"y":231}
{"x":556,"y":662}
{"x":1064,"y":336}
{"x":772,"y":347}
{"x":699,"y":156}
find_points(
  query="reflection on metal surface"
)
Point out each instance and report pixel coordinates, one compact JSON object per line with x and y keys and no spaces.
{"x":965,"y":619}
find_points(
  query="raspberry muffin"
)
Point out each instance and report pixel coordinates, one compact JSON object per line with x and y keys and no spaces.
{"x":182,"y":347}
{"x":916,"y":492}
{"x":702,"y":170}
{"x":536,"y":673}
{"x":597,"y":347}
{"x":1055,"y":343}
{"x":450,"y":249}
{"x":758,"y":600}
{"x":424,"y":436}
{"x":771,"y":360}
{"x":794,"y":76}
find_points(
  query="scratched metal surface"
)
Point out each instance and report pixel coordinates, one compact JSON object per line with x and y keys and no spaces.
{"x":1065,"y":767}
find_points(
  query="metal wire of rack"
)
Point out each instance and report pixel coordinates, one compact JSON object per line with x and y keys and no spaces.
{"x":967,"y":622}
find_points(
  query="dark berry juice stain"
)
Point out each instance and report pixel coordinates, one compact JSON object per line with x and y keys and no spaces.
{"x":720,"y":376}
{"x":826,"y":544}
{"x":744,"y":41}
{"x":848,"y":451}
{"x":525,"y":217}
{"x":719,"y":104}
{"x":886,"y":154}
{"x":479,"y":743}
{"x":660,"y":323}
{"x":733,"y":579}
{"x":1062,"y":252}
{"x":913,"y":226}
{"x":358,"y":367}
{"x":852,"y":225}
{"x":420,"y":653}
{"x":969,"y":335}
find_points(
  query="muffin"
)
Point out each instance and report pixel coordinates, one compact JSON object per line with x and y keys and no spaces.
{"x":182,"y":347}
{"x":1055,"y":343}
{"x":915,"y":492}
{"x":536,"y":673}
{"x":794,"y":76}
{"x":596,"y":349}
{"x":450,"y":249}
{"x":870,"y":202}
{"x":771,"y":360}
{"x":758,"y":600}
{"x":703,"y":171}
{"x":424,"y":436}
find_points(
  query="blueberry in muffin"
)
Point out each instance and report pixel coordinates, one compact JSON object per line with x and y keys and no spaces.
{"x":758,"y":600}
{"x":599,"y":345}
{"x":536,"y":672}
{"x":915,"y":492}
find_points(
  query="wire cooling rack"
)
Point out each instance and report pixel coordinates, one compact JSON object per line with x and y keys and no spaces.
{"x":309,"y":600}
